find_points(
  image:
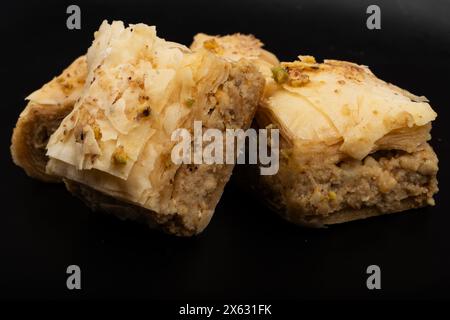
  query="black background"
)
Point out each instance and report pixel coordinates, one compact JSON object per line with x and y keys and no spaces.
{"x":247,"y":252}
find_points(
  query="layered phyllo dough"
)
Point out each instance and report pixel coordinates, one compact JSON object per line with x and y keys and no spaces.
{"x":352,"y":145}
{"x":107,"y":125}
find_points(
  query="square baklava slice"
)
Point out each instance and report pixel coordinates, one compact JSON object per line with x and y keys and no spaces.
{"x":114,"y":147}
{"x":351,"y":145}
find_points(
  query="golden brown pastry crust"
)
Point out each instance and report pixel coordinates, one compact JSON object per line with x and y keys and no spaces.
{"x":42,"y":116}
{"x":335,"y":119}
{"x":225,"y":94}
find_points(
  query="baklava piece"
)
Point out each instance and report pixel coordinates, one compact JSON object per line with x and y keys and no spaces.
{"x":114,"y":147}
{"x":351,"y":145}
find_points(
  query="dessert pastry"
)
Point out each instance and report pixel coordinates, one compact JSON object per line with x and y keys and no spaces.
{"x":236,"y":47}
{"x":111,"y":139}
{"x":352,"y":146}
{"x":45,"y":110}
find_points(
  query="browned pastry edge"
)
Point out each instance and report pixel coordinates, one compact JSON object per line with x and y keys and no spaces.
{"x":40,"y":119}
{"x":30,"y":137}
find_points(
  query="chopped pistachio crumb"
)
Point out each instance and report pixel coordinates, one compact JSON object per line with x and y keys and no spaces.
{"x":189,"y":102}
{"x":212,"y":46}
{"x":120,"y":156}
{"x":280,"y":75}
{"x":97,"y":132}
{"x":299,"y":80}
{"x":332,"y":195}
{"x":307,"y":59}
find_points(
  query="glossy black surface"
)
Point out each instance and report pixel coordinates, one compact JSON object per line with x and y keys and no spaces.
{"x":247,"y":251}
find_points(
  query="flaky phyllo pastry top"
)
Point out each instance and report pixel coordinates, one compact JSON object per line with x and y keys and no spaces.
{"x":338,"y":102}
{"x":333,"y":106}
{"x":236,"y":47}
{"x":139,"y":88}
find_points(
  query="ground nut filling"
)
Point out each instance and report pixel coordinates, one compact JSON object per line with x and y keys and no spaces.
{"x":385,"y":182}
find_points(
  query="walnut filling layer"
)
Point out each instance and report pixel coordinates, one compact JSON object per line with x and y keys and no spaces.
{"x":385,"y":181}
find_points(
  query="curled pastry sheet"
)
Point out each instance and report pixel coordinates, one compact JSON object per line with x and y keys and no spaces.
{"x":45,"y":110}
